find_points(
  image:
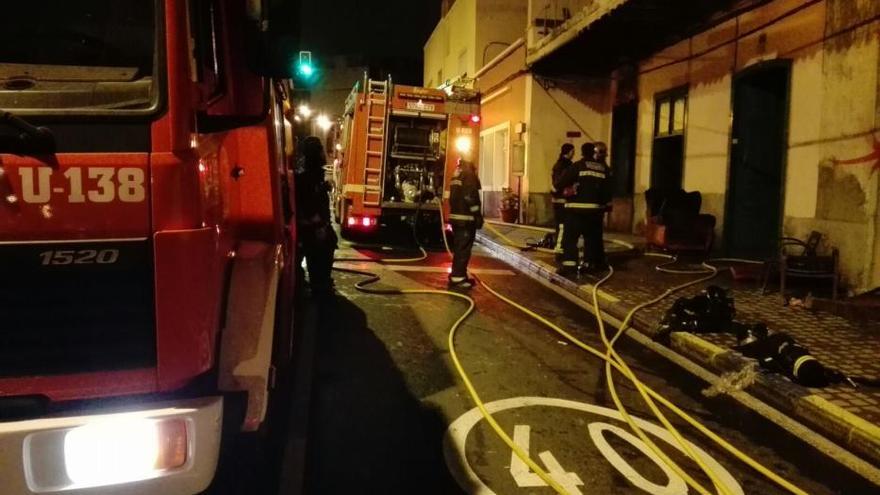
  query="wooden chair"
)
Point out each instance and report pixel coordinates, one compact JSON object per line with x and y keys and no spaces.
{"x":800,"y":259}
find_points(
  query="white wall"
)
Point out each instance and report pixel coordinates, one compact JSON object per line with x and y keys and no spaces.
{"x":553,"y":112}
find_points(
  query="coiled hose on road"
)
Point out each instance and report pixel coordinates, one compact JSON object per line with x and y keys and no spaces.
{"x":613,"y":361}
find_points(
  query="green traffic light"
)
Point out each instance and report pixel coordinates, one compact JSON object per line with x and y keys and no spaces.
{"x":306,"y":70}
{"x":304,"y":67}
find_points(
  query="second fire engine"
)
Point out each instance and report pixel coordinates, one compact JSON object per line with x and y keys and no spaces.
{"x":401,"y":145}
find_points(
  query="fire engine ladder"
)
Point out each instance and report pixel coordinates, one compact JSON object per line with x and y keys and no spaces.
{"x":376,"y":95}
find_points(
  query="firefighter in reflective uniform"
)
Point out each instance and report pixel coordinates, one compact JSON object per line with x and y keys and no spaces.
{"x":559,"y":196}
{"x":585,"y":212}
{"x":465,"y":217}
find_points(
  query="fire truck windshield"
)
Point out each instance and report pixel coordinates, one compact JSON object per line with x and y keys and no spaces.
{"x":84,"y":56}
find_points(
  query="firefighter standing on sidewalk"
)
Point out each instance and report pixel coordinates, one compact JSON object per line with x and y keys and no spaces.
{"x":559,"y":197}
{"x":465,"y":217}
{"x":585,"y":212}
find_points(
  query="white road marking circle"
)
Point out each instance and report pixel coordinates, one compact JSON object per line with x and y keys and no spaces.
{"x":456,"y":437}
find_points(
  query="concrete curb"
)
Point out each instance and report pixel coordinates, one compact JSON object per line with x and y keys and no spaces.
{"x":843,"y":427}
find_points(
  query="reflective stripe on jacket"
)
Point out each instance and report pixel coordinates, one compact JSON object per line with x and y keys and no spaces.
{"x":461,"y":218}
{"x":593,"y":182}
{"x":585,"y":206}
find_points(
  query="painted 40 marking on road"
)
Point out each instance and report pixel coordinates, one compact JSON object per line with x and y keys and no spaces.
{"x":84,"y":185}
{"x":596,"y":431}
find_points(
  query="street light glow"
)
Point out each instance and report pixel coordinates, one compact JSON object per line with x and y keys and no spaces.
{"x":324,"y":122}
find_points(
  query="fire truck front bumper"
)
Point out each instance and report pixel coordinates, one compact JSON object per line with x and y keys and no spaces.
{"x":169,"y":448}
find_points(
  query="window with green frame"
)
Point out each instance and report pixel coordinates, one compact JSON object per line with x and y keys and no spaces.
{"x":670,"y":113}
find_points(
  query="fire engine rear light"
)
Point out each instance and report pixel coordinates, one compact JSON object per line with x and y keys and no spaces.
{"x":122,"y":450}
{"x":362,"y":222}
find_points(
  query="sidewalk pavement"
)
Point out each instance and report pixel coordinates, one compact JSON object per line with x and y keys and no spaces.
{"x":848,"y":416}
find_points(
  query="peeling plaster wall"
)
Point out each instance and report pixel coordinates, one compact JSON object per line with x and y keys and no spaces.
{"x":875,"y":257}
{"x":847,"y":194}
{"x":835,"y":108}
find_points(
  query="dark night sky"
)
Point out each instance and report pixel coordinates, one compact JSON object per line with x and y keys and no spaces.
{"x":390,"y":34}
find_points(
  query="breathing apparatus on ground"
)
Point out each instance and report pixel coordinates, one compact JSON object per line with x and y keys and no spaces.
{"x":713,"y":311}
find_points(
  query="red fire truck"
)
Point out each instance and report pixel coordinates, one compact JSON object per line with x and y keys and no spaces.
{"x":145,"y":242}
{"x":401,"y":145}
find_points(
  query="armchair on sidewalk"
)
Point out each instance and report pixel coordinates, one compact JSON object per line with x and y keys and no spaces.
{"x":674,"y":222}
{"x":800,"y":259}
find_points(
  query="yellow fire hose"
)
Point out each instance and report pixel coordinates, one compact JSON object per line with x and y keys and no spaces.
{"x":655,"y":395}
{"x":612,"y":359}
{"x":373,"y":278}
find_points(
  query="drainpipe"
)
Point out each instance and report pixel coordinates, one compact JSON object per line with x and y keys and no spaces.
{"x":501,"y":56}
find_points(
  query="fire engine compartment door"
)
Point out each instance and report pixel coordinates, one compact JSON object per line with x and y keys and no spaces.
{"x":414,"y":169}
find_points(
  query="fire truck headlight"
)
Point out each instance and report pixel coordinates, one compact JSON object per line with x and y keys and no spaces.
{"x":464,"y":144}
{"x":122,"y":450}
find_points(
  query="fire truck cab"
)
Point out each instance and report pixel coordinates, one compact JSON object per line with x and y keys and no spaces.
{"x":401,"y":145}
{"x":146,"y":242}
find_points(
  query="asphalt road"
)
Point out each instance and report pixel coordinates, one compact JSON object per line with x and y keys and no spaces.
{"x":382,"y":394}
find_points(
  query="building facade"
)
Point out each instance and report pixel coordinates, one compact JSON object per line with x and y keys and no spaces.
{"x":459,"y":49}
{"x":770,"y":109}
{"x":460,"y":45}
{"x":526,"y":120}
